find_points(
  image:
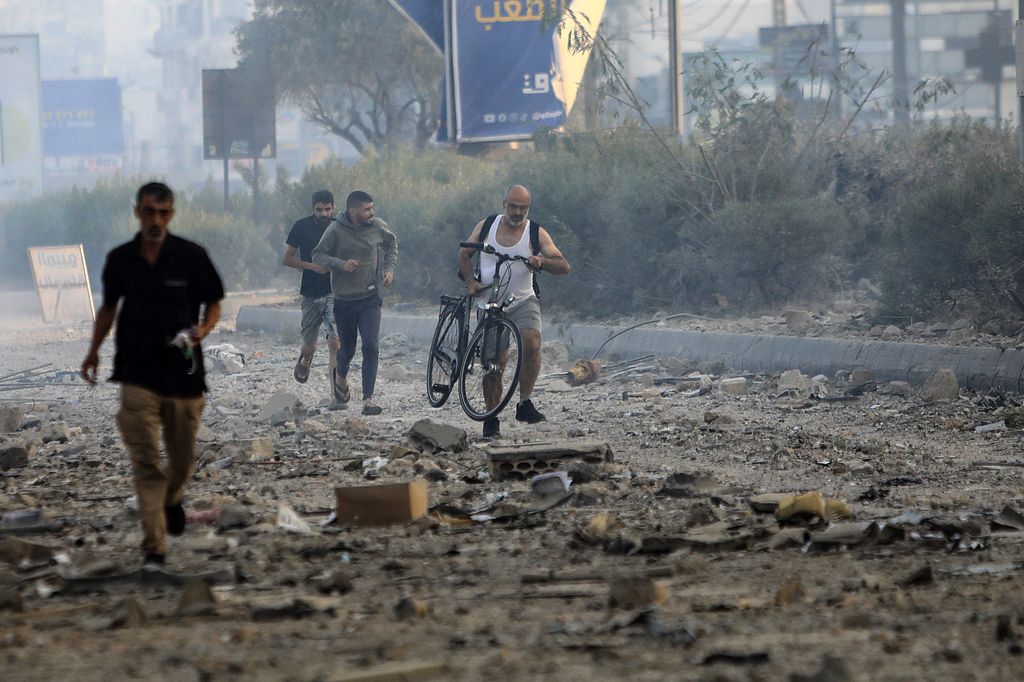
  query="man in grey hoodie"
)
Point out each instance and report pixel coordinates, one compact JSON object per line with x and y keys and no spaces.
{"x":360,"y":252}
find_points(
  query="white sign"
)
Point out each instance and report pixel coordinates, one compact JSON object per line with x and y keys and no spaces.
{"x":62,"y":281}
{"x":21,"y":143}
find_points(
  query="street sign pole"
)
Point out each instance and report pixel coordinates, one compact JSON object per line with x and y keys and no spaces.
{"x":1018,"y":40}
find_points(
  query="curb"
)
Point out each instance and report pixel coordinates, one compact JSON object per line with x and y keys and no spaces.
{"x":977,"y":367}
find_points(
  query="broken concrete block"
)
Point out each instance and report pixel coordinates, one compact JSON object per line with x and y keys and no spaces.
{"x":901,"y":388}
{"x":381,"y":505}
{"x":280,"y":408}
{"x":861,"y":376}
{"x":54,"y":431}
{"x":634,"y":592}
{"x":250,"y":450}
{"x":233,"y":516}
{"x":798,"y":321}
{"x":196,"y":599}
{"x":529,"y":459}
{"x":13,"y":457}
{"x":793,"y":379}
{"x":428,"y":436}
{"x":10,"y":418}
{"x":733,"y":386}
{"x":891,"y":332}
{"x":941,"y":385}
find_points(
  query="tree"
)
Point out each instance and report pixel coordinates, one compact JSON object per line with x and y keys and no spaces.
{"x":357,"y":68}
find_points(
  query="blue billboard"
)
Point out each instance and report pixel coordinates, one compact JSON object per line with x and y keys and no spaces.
{"x":504,"y":69}
{"x":82,"y":118}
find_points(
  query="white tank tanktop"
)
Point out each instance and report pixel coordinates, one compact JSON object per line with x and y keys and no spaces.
{"x":521,"y":281}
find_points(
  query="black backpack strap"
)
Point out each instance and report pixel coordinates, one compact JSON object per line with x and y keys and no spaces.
{"x":535,"y":238}
{"x":486,"y":229}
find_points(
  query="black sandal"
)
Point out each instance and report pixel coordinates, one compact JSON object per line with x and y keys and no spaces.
{"x":340,"y":395}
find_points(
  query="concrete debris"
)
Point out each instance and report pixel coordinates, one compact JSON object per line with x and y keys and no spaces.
{"x":941,"y":385}
{"x":635,"y":592}
{"x":510,"y":462}
{"x":196,"y":599}
{"x":733,"y":386}
{"x":428,"y":436}
{"x":11,"y":417}
{"x":224,"y":358}
{"x":282,"y":407}
{"x":793,"y":380}
{"x":13,"y":457}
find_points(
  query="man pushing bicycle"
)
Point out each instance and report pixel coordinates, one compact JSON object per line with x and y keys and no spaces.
{"x":511,"y":233}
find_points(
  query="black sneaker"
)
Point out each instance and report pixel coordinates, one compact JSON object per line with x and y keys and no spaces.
{"x":175,"y":517}
{"x":492,"y":427}
{"x":153,"y":561}
{"x":526,"y":412}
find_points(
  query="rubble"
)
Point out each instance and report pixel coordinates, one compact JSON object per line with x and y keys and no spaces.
{"x":676,"y":541}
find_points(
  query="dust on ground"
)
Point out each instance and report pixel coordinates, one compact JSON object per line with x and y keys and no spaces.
{"x":928,"y":582}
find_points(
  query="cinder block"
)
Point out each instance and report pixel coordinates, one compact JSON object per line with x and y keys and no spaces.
{"x":382,"y":505}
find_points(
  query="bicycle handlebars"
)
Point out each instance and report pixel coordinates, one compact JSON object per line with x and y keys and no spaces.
{"x":488,"y":249}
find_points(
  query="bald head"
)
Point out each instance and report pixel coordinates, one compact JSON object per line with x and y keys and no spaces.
{"x":516,"y":205}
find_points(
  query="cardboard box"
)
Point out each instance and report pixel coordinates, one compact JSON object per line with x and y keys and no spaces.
{"x":382,"y":505}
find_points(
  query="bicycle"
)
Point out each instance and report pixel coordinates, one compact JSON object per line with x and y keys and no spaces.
{"x":481,"y":359}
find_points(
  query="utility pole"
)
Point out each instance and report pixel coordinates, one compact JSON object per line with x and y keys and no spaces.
{"x":1018,"y":40}
{"x":675,"y":65}
{"x":898,"y":24}
{"x":778,"y":21}
{"x":837,"y":95}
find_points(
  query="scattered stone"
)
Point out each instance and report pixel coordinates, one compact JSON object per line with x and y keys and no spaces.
{"x":335,"y":582}
{"x":941,"y":385}
{"x":10,"y":600}
{"x":196,"y":599}
{"x":891,"y":332}
{"x":899,"y":388}
{"x":790,"y":593}
{"x":635,"y":592}
{"x":428,"y":436}
{"x":280,"y":408}
{"x":11,"y":417}
{"x":233,"y":516}
{"x":798,"y":321}
{"x":408,"y":608}
{"x":54,"y":432}
{"x":832,"y":669}
{"x":13,"y":457}
{"x":733,"y":386}
{"x":793,"y":379}
{"x":127,"y":613}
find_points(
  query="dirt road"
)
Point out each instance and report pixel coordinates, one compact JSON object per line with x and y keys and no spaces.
{"x":929,"y":585}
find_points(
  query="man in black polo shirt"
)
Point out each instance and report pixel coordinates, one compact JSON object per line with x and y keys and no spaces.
{"x":317,"y":303}
{"x":161,"y":281}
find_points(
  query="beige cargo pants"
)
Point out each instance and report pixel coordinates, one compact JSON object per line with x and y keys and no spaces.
{"x":142,"y":415}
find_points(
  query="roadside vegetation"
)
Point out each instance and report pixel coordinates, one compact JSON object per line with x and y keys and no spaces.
{"x":767,"y":204}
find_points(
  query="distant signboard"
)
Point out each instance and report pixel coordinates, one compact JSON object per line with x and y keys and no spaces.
{"x":62,"y":281}
{"x":82,"y":118}
{"x":21,"y":149}
{"x":238,"y":115}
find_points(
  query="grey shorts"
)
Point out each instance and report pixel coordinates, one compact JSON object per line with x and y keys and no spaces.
{"x":317,"y":312}
{"x":526,"y":315}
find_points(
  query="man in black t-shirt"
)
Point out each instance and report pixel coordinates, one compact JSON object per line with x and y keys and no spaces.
{"x":317,"y":303}
{"x":169,"y":295}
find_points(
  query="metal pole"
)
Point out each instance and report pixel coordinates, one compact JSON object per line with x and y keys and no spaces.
{"x":901,"y":104}
{"x":675,"y":65}
{"x":837,"y":95}
{"x":1018,"y":40}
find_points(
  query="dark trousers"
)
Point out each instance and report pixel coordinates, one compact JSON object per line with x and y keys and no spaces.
{"x":362,"y":318}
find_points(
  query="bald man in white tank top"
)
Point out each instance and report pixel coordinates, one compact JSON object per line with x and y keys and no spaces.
{"x":509,"y":233}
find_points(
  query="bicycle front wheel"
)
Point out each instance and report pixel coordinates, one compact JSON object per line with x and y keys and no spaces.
{"x":443,"y":362}
{"x":489,"y":375}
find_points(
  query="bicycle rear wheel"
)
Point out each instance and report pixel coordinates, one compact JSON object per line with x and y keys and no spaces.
{"x":484,"y":390}
{"x":443,"y":362}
